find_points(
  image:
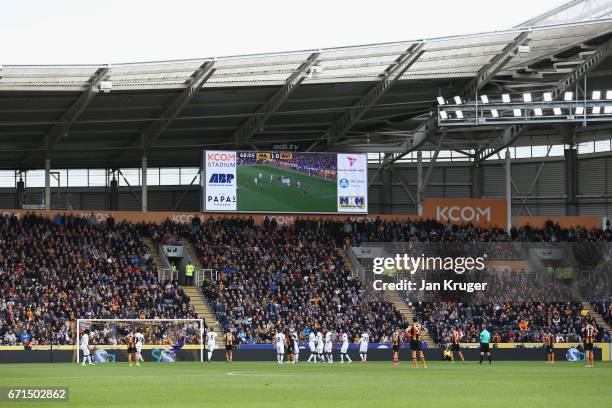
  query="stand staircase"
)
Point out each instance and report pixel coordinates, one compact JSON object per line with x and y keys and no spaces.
{"x":389,"y":296}
{"x":406,"y":311}
{"x":201,"y":308}
{"x":157,"y":261}
{"x":342,"y":254}
{"x":198,"y":301}
{"x":596,"y":316}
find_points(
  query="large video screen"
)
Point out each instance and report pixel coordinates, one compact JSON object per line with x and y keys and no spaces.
{"x":293,"y":182}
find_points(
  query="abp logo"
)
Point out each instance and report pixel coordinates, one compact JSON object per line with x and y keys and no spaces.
{"x":224,"y":178}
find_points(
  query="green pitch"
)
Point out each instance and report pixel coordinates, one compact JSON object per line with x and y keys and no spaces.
{"x":377,"y":384}
{"x":319,"y":195}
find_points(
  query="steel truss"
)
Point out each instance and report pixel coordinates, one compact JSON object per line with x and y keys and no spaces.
{"x":392,"y":74}
{"x":509,"y":135}
{"x":71,"y":115}
{"x":430,"y":126}
{"x":244,"y":134}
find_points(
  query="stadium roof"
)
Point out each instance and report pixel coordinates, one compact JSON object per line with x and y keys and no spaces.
{"x":173,"y":109}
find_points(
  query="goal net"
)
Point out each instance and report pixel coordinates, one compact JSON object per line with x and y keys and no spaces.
{"x":165,"y":340}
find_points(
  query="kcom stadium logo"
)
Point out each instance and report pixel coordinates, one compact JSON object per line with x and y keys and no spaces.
{"x":221,"y":156}
{"x":344,"y":183}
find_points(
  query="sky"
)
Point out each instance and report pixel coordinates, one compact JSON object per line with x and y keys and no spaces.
{"x":115,"y":31}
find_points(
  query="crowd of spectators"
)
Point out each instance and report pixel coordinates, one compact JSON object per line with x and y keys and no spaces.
{"x":319,"y":164}
{"x":55,"y":271}
{"x":269,"y":276}
{"x":357,"y":231}
{"x":291,"y":276}
{"x":115,"y":333}
{"x":516,"y":310}
{"x":508,"y":322}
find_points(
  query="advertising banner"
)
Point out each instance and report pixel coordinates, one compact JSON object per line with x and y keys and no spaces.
{"x":352,"y":183}
{"x":479,"y":212}
{"x":284,"y":219}
{"x":220,"y":181}
{"x":285,"y":182}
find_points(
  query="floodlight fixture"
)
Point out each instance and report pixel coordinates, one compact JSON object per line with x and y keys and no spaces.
{"x":484,"y":98}
{"x":443,"y":115}
{"x":458,"y":100}
{"x":506,"y":98}
{"x":596,"y":95}
{"x":494,"y":113}
{"x":608,"y":109}
{"x":441,"y":100}
{"x":568,"y":96}
{"x":527,"y":97}
{"x":517,"y":112}
{"x":538,"y":111}
{"x":557,"y":111}
{"x":579,"y":110}
{"x":547,"y":97}
{"x":596,"y":110}
{"x":609,"y":94}
{"x":459,"y":114}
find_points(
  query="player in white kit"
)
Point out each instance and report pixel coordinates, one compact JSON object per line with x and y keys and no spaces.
{"x":296,"y":346}
{"x":139,"y":338}
{"x":327,"y":348}
{"x":319,"y":344}
{"x":344,"y":348}
{"x":211,"y":341}
{"x":85,"y":347}
{"x":312,"y":346}
{"x":279,"y":343}
{"x":364,"y":340}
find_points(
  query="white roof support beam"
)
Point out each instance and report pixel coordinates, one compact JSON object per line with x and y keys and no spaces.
{"x":244,"y":134}
{"x":509,"y":135}
{"x":392,"y":74}
{"x":426,"y":129}
{"x":155,"y":128}
{"x":70,"y":115}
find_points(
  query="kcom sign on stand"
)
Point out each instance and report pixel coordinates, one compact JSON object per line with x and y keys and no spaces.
{"x":480,"y":212}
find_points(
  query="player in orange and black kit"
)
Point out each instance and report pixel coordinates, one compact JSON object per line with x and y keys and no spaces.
{"x":549,"y":343}
{"x":588,"y":335}
{"x":229,"y":346}
{"x":131,"y":348}
{"x":455,"y":340}
{"x":395,"y":346}
{"x":290,"y":347}
{"x":415,"y":331}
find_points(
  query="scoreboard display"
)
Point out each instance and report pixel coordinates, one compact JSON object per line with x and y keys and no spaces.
{"x":277,"y":181}
{"x":269,"y":155}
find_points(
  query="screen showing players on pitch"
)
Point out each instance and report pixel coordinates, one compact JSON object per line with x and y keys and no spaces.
{"x":285,"y":182}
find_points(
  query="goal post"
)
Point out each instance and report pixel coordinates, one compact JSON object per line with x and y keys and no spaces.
{"x":160,"y":335}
